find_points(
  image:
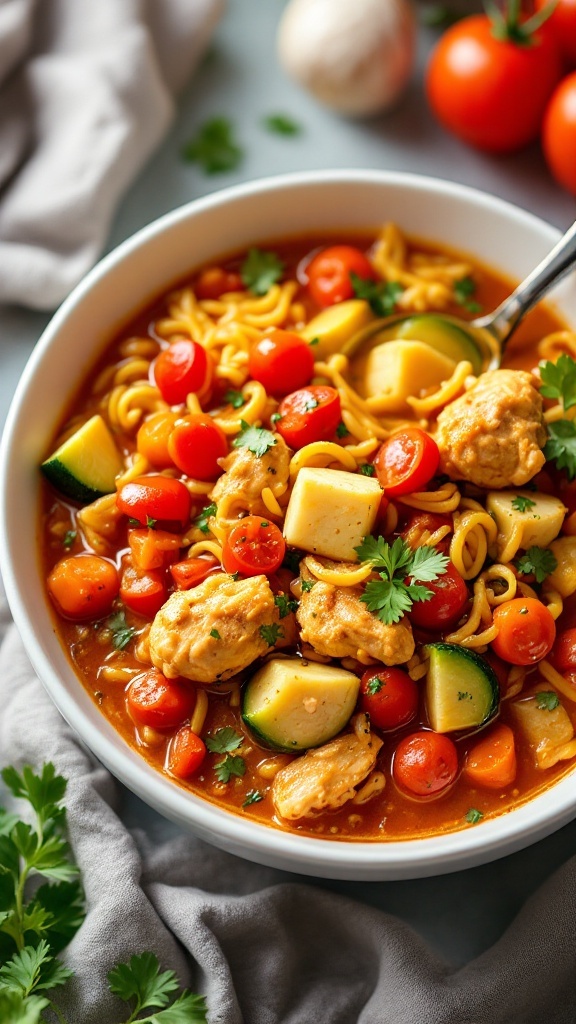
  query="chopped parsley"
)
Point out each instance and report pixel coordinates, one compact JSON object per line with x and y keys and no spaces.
{"x":342,"y":430}
{"x":561,"y":446}
{"x":215,"y":634}
{"x":547,"y":700}
{"x":367,"y":469}
{"x":257,"y":439}
{"x":201,"y":521}
{"x":214,"y":147}
{"x":381,"y":296}
{"x":307,"y":585}
{"x":275,"y":417}
{"x":252,"y":797}
{"x":463,"y":291}
{"x":281,"y":124}
{"x":285,"y":605}
{"x":375,"y":684}
{"x":521,"y":504}
{"x":150,"y":523}
{"x":235,"y":575}
{"x":314,"y":341}
{"x":235,"y":399}
{"x":260,"y":270}
{"x":539,"y":562}
{"x":559,"y":380}
{"x":69,"y":538}
{"x":292,"y":560}
{"x":464,"y":695}
{"x":228,"y":767}
{"x":133,"y":522}
{"x":390,"y":596}
{"x":122,"y":633}
{"x":473,"y":816}
{"x":224,"y":740}
{"x":271,"y":633}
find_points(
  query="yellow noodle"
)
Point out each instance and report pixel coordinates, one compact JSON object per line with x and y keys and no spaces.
{"x":99,"y":523}
{"x":363,"y":449}
{"x":557,"y":680}
{"x":117,"y":674}
{"x":127,"y":405}
{"x":321,"y":453}
{"x":271,"y":502}
{"x":203,"y":547}
{"x":474,"y":530}
{"x":200,"y":711}
{"x":256,"y":399}
{"x":140,"y":348}
{"x":341,"y":577}
{"x":515,"y":682}
{"x":446,"y":392}
{"x":271,"y":766}
{"x":234,"y":695}
{"x":553,"y":601}
{"x":137,"y":465}
{"x":556,"y":343}
{"x":445,"y":499}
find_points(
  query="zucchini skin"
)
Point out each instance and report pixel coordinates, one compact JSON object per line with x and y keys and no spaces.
{"x":481,"y":666}
{"x":66,"y":483}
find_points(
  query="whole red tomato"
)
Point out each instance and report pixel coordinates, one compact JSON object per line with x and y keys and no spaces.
{"x":489,"y":88}
{"x":559,"y":133}
{"x":563,"y":23}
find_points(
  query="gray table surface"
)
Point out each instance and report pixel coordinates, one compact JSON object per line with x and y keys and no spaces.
{"x":463,"y":913}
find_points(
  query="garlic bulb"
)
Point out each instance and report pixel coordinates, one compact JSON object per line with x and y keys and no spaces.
{"x":355,"y":56}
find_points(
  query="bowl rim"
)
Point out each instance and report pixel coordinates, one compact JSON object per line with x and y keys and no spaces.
{"x":337,"y":858}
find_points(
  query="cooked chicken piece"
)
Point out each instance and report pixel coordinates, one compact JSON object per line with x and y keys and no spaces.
{"x":493,"y":434}
{"x":326,"y":777}
{"x":335,"y":622}
{"x":246,"y":475}
{"x":548,"y":731}
{"x":213,"y":631}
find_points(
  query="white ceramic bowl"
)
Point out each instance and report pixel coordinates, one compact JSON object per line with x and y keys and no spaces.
{"x":505,"y":237}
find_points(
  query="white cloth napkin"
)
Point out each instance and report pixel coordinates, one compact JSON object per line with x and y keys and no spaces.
{"x":262,"y":949}
{"x":86,"y":94}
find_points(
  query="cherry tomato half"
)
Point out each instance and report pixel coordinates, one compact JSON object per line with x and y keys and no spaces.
{"x":389,"y":696}
{"x":449,"y":599}
{"x":329,"y":273}
{"x":152,"y":439}
{"x":160,"y":498}
{"x":192,"y":571}
{"x":425,"y":763}
{"x":282,"y":362}
{"x":181,"y":369}
{"x":215,"y":281}
{"x":186,"y":753}
{"x":310,"y":414}
{"x":563,"y":655}
{"x":526,"y":631}
{"x":559,"y":133}
{"x":491,"y":92}
{"x":159,"y":702}
{"x":562,"y":23}
{"x":83,"y":586}
{"x":143,"y":592}
{"x":406,"y":461}
{"x":196,"y":444}
{"x":253,"y":546}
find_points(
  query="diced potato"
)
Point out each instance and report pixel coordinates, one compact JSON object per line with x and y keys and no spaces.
{"x":547,"y":732}
{"x":563,"y":579}
{"x":398,"y":369}
{"x":538,"y":525}
{"x":330,"y":511}
{"x":336,"y":325}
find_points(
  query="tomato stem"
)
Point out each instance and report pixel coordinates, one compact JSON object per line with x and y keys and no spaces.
{"x":507,"y":23}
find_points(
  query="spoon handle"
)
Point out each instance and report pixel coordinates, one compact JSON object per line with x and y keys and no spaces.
{"x":552,"y":269}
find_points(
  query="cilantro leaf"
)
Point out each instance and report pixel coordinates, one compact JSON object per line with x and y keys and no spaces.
{"x":521,"y":504}
{"x":141,"y":980}
{"x":463,"y":290}
{"x":538,"y":561}
{"x":253,"y":796}
{"x":16,"y":1008}
{"x":63,"y":902}
{"x":32,"y":969}
{"x":271,"y":633}
{"x":381,"y":296}
{"x":257,"y":439}
{"x":559,"y":380}
{"x":547,"y":700}
{"x":224,"y":740}
{"x":391,"y":596}
{"x":375,"y":684}
{"x":473,"y":816}
{"x":342,"y":430}
{"x":281,"y":124}
{"x":392,"y":558}
{"x":260,"y":270}
{"x":68,"y":539}
{"x":235,"y":399}
{"x":367,"y":469}
{"x":215,"y":634}
{"x":292,"y":560}
{"x":428,"y":564}
{"x":389,"y":600}
{"x":307,"y":585}
{"x":561,"y":445}
{"x":285,"y":605}
{"x":214,"y":147}
{"x":43,"y":792}
{"x":201,"y":521}
{"x":228,"y":767}
{"x":122,"y":633}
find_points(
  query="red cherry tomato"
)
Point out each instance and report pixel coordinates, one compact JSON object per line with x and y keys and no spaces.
{"x":253,"y":546}
{"x":83,"y":586}
{"x":563,"y":654}
{"x":186,"y":753}
{"x":160,"y":498}
{"x":389,"y":696}
{"x":143,"y":592}
{"x":559,"y":133}
{"x":562,"y":23}
{"x":193,"y":571}
{"x":215,"y":281}
{"x":329,"y":273}
{"x":526,"y":631}
{"x":180,"y":370}
{"x":419,"y":523}
{"x":282,"y":362}
{"x":491,"y":92}
{"x":406,"y":461}
{"x":196,"y":444}
{"x":159,"y":702}
{"x":310,"y":414}
{"x":152,"y":439}
{"x":449,"y":599}
{"x":425,"y":763}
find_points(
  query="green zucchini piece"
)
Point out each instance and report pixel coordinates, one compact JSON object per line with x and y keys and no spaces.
{"x":86,"y":465}
{"x":462,"y":690}
{"x":440,"y":333}
{"x":291,"y":704}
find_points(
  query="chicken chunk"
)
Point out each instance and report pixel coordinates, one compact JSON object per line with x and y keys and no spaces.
{"x":548,"y":730}
{"x":213,"y":631}
{"x":335,"y":622}
{"x":246,"y":475}
{"x":325,"y":777}
{"x":493,"y":435}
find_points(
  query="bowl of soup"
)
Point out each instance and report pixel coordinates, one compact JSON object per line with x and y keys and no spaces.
{"x":300,"y":577}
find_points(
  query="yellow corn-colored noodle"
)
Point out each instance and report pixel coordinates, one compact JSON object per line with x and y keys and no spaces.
{"x":117,"y":674}
{"x":271,"y":502}
{"x":556,"y":679}
{"x":474,"y":531}
{"x":139,"y":348}
{"x":485,"y":598}
{"x":99,"y":521}
{"x":556,"y":343}
{"x":138,"y":465}
{"x":128,"y":404}
{"x":338,"y":577}
{"x":553,"y":601}
{"x":355,"y":411}
{"x":447,"y":391}
{"x":515,"y":682}
{"x":200,"y":711}
{"x":256,"y":399}
{"x":363,"y":449}
{"x":321,"y":453}
{"x":444,"y":499}
{"x":206,"y":547}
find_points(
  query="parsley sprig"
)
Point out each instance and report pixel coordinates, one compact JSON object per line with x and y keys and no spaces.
{"x":202,"y":521}
{"x":464,"y":289}
{"x":122,"y":633}
{"x":257,"y":439}
{"x":539,"y":562}
{"x":381,"y":296}
{"x":559,"y":381}
{"x":260,"y":270}
{"x":521,"y":503}
{"x":391,"y":596}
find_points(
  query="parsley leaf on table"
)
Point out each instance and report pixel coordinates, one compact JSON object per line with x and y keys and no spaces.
{"x":381,"y":296}
{"x":257,"y":439}
{"x":391,"y":597}
{"x":463,"y":290}
{"x":559,"y":380}
{"x":547,"y":700}
{"x":228,"y":767}
{"x":214,"y":147}
{"x":281,"y":124}
{"x":260,"y":270}
{"x":521,"y":503}
{"x":122,"y":633}
{"x":201,"y":521}
{"x":224,"y":740}
{"x":538,"y":561}
{"x":142,"y":985}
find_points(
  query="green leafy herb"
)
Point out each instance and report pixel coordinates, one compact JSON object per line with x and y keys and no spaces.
{"x":224,"y":740}
{"x":215,"y":634}
{"x":307,"y":585}
{"x":375,"y":684}
{"x":235,"y":399}
{"x":260,"y":270}
{"x":252,"y":797}
{"x":381,"y":296}
{"x":522,"y":504}
{"x":285,"y":605}
{"x":257,"y":439}
{"x":390,"y":596}
{"x":234,"y":576}
{"x":547,"y":700}
{"x":133,"y":522}
{"x":122,"y":633}
{"x":314,"y":341}
{"x":464,"y":695}
{"x":342,"y":430}
{"x":142,"y":985}
{"x":271,"y":633}
{"x":214,"y":147}
{"x":275,"y":417}
{"x":367,"y":469}
{"x":228,"y":767}
{"x":539,"y":562}
{"x":201,"y":521}
{"x":561,"y":445}
{"x":150,"y":522}
{"x":559,"y":380}
{"x":281,"y":124}
{"x":68,"y":539}
{"x":473,"y":816}
{"x":463,"y":290}
{"x":292,"y":560}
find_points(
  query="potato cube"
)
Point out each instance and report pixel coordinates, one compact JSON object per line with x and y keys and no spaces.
{"x":563,"y":579}
{"x":336,"y":325}
{"x":539,"y":524}
{"x":330,"y":511}
{"x":396,"y":369}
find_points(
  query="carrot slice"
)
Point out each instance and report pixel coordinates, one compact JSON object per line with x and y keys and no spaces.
{"x":492,"y":761}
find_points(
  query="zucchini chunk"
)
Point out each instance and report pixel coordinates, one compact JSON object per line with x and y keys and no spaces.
{"x":462,"y":690}
{"x":292,"y":705}
{"x":440,"y":333}
{"x":86,"y":466}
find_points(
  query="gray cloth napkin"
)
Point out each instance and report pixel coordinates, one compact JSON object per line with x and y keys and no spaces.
{"x":86,"y":94}
{"x":264,"y":950}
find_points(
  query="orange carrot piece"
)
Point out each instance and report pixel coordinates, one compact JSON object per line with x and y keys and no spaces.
{"x":491,"y":763}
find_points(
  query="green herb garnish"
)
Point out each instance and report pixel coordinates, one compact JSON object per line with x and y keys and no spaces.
{"x":547,"y":700}
{"x":381,"y":296}
{"x":473,"y":816}
{"x":228,"y":767}
{"x":463,"y":290}
{"x":375,"y":684}
{"x":390,"y":596}
{"x":342,"y":430}
{"x":561,"y":445}
{"x":235,"y":399}
{"x":252,"y":797}
{"x":224,"y":740}
{"x":214,"y":147}
{"x":215,"y":634}
{"x":122,"y":633}
{"x":292,"y":560}
{"x":201,"y":521}
{"x":142,"y":985}
{"x":367,"y":469}
{"x":261,"y":270}
{"x":271,"y":633}
{"x":257,"y":439}
{"x":150,"y":522}
{"x":522,"y":504}
{"x":69,"y":538}
{"x":281,"y":124}
{"x":559,"y":380}
{"x":307,"y":585}
{"x":285,"y":605}
{"x":539,"y":562}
